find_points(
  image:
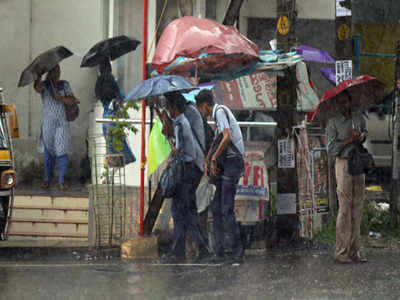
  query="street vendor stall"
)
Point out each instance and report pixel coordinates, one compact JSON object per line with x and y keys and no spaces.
{"x":257,"y":200}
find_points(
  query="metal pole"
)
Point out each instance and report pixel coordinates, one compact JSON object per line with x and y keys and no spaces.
{"x":394,"y":195}
{"x":143,"y":152}
{"x":241,"y":124}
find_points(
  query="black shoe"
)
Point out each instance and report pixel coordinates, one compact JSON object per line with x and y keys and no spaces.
{"x":219,"y":260}
{"x":202,"y":257}
{"x":237,"y":260}
{"x":172,"y":259}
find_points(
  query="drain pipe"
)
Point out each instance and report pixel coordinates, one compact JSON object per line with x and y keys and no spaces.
{"x":143,"y":151}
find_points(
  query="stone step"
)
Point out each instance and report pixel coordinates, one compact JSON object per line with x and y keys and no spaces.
{"x":51,"y":201}
{"x":46,"y":213}
{"x":56,"y":227}
{"x":39,"y":236}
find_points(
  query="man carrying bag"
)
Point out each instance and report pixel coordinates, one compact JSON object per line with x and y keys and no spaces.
{"x":230,"y":170}
{"x":184,"y":208}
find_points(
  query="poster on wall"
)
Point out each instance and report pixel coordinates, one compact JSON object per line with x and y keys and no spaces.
{"x":342,"y":11}
{"x":254,"y":183}
{"x":286,"y":204}
{"x":344,"y":70}
{"x":320,"y":180}
{"x":286,"y":154}
{"x":252,"y":196}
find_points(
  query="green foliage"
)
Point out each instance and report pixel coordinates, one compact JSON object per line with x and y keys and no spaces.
{"x":120,"y":129}
{"x":328,"y":231}
{"x":375,"y":219}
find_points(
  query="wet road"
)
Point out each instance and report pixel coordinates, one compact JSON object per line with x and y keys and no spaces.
{"x":289,"y":275}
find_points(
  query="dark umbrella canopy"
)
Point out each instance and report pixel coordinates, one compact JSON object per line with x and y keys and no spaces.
{"x":159,"y":85}
{"x":111,"y":49}
{"x":43,"y":63}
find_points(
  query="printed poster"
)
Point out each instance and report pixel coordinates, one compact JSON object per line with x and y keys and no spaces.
{"x":342,"y":11}
{"x":286,"y":154}
{"x":344,"y":70}
{"x":286,"y":204}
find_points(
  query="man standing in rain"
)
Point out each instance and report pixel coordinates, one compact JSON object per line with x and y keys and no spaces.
{"x":223,"y":204}
{"x":184,"y":208}
{"x":344,"y":132}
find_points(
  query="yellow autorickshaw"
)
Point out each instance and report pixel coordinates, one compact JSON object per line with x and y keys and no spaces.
{"x":8,"y":131}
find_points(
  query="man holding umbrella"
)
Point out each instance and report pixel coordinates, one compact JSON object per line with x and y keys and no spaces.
{"x":344,"y":132}
{"x":341,"y":109}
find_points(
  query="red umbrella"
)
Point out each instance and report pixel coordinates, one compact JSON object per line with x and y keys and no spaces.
{"x":191,"y":36}
{"x":366,"y":91}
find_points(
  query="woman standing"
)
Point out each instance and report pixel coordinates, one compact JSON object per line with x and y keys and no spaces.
{"x":55,"y":137}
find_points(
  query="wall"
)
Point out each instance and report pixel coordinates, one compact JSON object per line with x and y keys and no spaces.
{"x":29,"y":27}
{"x":315,"y":27}
{"x":128,"y":20}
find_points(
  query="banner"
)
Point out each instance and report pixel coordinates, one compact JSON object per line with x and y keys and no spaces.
{"x":252,"y":195}
{"x":257,"y":91}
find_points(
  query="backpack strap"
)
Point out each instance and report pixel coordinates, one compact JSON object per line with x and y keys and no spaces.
{"x":197,"y":138}
{"x":232,"y":145}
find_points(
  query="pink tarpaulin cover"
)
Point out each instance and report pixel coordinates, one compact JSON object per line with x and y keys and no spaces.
{"x":191,"y":36}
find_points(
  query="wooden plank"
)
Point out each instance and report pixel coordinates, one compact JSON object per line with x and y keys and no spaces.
{"x":153,"y":211}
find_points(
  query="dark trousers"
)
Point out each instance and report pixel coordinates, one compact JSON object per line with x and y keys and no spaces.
{"x":223,"y":209}
{"x":4,"y":205}
{"x":184,"y":212}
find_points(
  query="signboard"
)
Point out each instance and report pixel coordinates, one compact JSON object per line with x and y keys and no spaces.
{"x":252,"y":195}
{"x":344,"y":70}
{"x":342,"y":11}
{"x":286,"y":204}
{"x":283,"y":25}
{"x":255,"y":91}
{"x":254,"y":183}
{"x":286,"y":154}
{"x":343,"y":32}
{"x":258,"y":91}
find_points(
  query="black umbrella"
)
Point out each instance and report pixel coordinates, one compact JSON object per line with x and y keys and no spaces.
{"x":43,"y":63}
{"x":111,"y":48}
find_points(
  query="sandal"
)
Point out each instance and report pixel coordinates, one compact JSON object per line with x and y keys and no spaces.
{"x":62,"y":187}
{"x":45,"y":185}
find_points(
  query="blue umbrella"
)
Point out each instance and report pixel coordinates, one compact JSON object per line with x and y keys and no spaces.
{"x":190,"y":96}
{"x":159,"y":85}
